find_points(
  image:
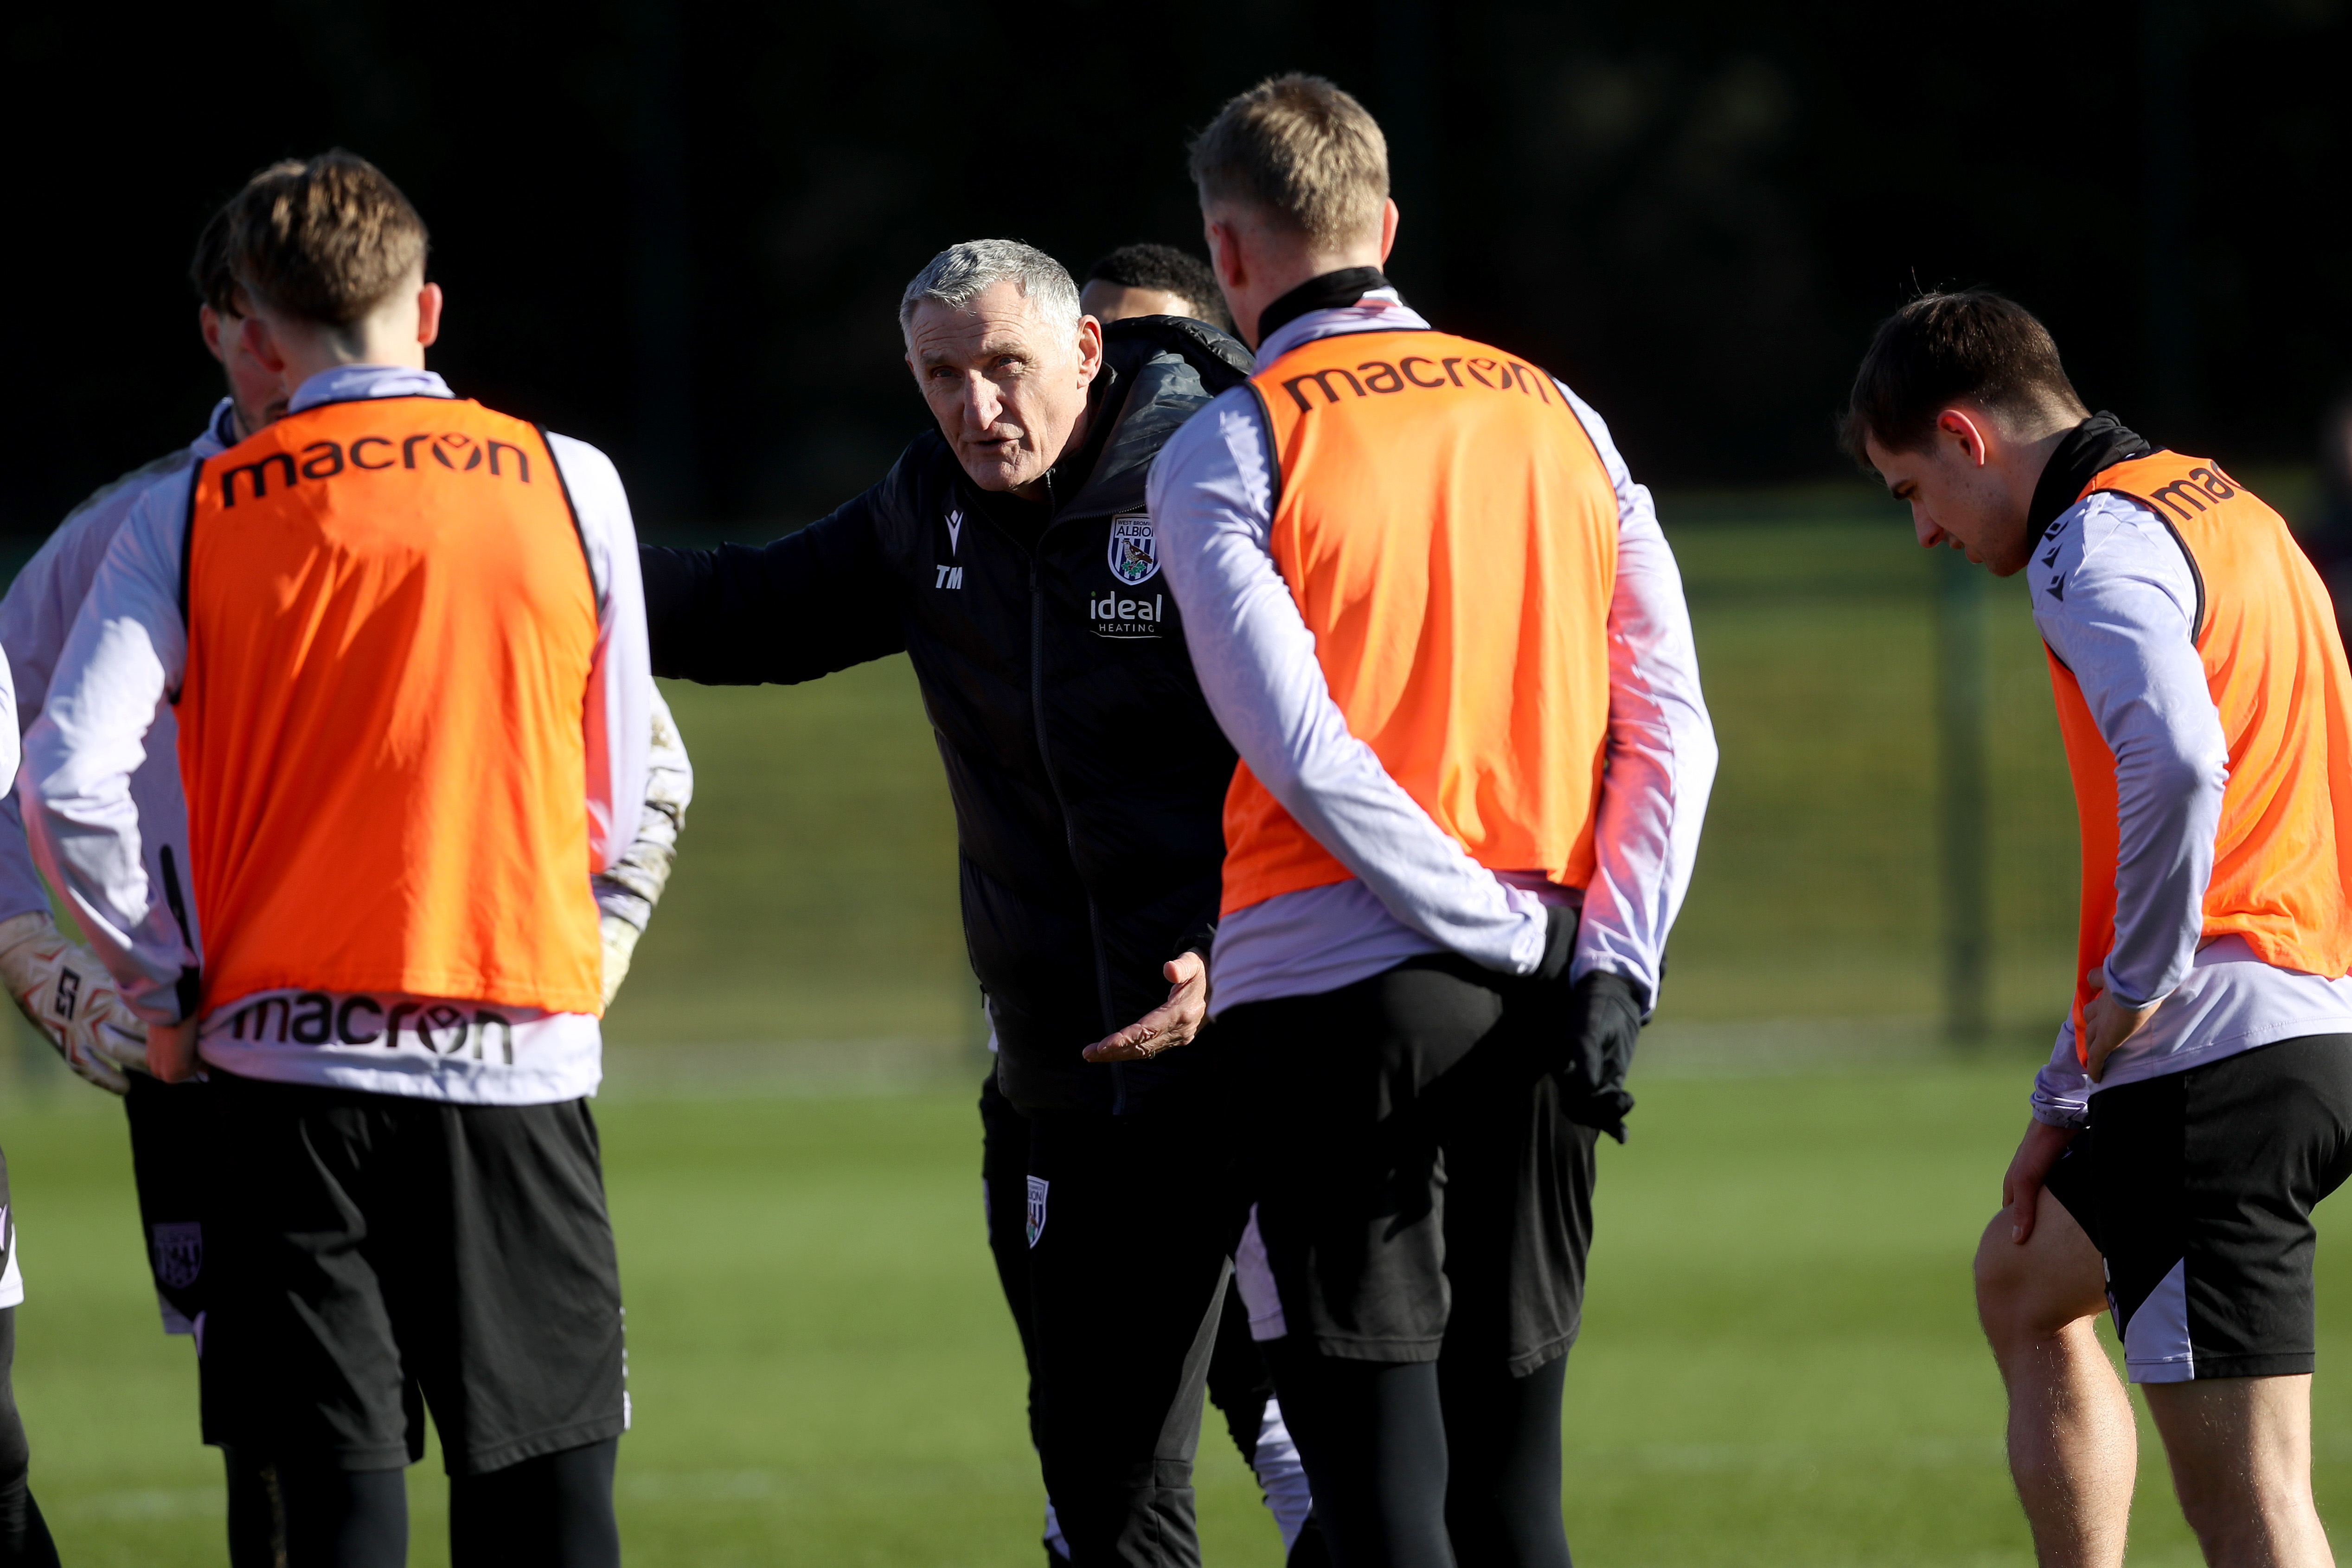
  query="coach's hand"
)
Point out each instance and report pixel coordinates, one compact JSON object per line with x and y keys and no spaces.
{"x":1172,"y":1023}
{"x":172,"y":1051}
{"x":2106,"y":1025}
{"x":2029,"y":1168}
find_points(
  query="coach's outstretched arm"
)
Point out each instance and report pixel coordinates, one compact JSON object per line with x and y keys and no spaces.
{"x":808,"y":604}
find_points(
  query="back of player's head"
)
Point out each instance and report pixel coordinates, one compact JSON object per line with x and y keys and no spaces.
{"x":1971,"y":345}
{"x":1164,"y":269}
{"x":327,"y":239}
{"x":1303,"y":152}
{"x":963,"y":272}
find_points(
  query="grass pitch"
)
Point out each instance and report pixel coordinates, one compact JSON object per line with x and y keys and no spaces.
{"x":1779,"y":1366}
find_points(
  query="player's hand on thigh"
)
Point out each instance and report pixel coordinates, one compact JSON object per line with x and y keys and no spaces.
{"x":2038,"y":1152}
{"x":1172,"y":1023}
{"x":2036,"y":1269}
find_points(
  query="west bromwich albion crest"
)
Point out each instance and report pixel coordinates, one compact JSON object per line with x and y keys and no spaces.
{"x":1038,"y":1186}
{"x":1134,"y":553}
{"x":179,"y":1250}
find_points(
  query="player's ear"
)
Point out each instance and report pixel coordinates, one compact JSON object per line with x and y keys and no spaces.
{"x":1967,"y":432}
{"x":429,"y":300}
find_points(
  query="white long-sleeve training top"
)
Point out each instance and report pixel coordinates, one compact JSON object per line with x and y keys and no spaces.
{"x":124,"y":654}
{"x":2116,"y":600}
{"x":1416,"y":889}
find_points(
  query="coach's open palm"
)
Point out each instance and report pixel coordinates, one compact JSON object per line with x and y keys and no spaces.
{"x":1172,"y":1023}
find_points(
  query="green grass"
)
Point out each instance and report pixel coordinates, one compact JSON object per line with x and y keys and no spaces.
{"x":1780,"y":1368}
{"x":1780,"y":1364}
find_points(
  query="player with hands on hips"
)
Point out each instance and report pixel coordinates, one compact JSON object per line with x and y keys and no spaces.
{"x":2197,"y":1102}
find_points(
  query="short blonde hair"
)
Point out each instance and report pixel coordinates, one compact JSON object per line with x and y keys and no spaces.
{"x":1301,"y":150}
{"x":325,"y":240}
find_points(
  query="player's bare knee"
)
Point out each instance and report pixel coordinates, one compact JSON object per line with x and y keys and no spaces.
{"x":2030,"y":1292}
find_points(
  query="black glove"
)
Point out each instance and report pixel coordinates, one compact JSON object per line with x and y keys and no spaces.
{"x":1587,"y":1033}
{"x":1602,"y":1019}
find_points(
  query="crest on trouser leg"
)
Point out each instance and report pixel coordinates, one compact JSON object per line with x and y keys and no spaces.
{"x":1037,"y":1209}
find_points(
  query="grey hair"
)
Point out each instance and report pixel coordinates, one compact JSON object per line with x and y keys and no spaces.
{"x":961,"y":272}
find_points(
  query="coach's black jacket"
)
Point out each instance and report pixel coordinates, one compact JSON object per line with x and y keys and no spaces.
{"x":1087,"y":775}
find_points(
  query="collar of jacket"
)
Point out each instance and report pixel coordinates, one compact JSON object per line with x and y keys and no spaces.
{"x":2097,"y":443}
{"x":1327,"y":292}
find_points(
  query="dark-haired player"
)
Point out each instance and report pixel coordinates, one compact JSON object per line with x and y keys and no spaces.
{"x":1151,"y":280}
{"x":2199,"y":1100}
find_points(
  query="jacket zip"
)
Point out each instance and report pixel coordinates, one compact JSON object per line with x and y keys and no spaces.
{"x":1045,"y":759}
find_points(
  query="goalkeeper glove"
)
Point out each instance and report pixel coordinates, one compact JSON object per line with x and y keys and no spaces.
{"x":620,"y":942}
{"x":70,"y":997}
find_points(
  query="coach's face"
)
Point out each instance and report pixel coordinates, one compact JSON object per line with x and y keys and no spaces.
{"x":1007,"y":385}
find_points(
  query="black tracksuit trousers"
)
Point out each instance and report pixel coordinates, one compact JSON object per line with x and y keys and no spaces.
{"x":1116,"y":1232}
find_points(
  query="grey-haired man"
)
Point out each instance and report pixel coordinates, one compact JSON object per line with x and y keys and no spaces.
{"x":1009,"y":554}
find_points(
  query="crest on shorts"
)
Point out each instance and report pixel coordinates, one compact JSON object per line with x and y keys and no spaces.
{"x":1037,"y":1209}
{"x":1134,"y":553}
{"x":179,"y":1252}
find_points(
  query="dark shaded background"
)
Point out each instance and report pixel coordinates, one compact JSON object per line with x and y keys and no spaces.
{"x":679,"y":231}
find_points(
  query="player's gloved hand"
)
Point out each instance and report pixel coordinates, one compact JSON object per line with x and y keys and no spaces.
{"x":70,"y":997}
{"x":1603,"y":1021}
{"x":1587,"y":1034}
{"x":620,"y":942}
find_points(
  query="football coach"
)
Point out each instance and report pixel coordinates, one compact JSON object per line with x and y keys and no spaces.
{"x":1009,"y":554}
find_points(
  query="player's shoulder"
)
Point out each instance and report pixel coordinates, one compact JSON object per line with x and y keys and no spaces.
{"x":579,"y":459}
{"x":82,"y":538}
{"x":2104,"y":545}
{"x":112,"y":501}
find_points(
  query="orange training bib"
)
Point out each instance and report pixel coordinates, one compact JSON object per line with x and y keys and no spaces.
{"x":390,"y":630}
{"x":1449,"y":533}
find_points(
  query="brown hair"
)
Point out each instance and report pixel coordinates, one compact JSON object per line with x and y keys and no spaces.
{"x":208,"y":269}
{"x":326,"y":240}
{"x":1299,"y":148}
{"x":1940,"y":348}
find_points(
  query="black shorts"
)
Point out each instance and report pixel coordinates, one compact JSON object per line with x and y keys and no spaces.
{"x":1420,"y":1188}
{"x":369,"y":1249}
{"x":170,"y":1139}
{"x":2198,"y":1189}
